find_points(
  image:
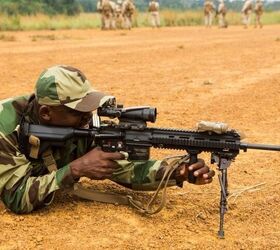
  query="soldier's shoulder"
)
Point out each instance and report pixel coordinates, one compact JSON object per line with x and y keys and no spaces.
{"x":10,"y":109}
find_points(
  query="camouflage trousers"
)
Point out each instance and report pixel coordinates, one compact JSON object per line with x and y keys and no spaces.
{"x":119,"y":21}
{"x":155,"y":19}
{"x":258,"y":22}
{"x":108,"y":22}
{"x":246,"y":18}
{"x":222,"y":21}
{"x":127,"y":22}
{"x":208,"y":19}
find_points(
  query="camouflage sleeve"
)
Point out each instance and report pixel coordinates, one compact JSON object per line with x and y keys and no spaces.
{"x":20,"y":191}
{"x":140,"y":175}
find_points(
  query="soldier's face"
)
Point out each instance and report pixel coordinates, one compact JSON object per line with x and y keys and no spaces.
{"x":64,"y":116}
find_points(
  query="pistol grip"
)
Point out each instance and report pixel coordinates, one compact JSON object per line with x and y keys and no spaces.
{"x":191,"y":177}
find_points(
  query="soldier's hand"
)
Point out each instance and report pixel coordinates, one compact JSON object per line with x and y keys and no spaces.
{"x":96,"y":164}
{"x":201,"y":171}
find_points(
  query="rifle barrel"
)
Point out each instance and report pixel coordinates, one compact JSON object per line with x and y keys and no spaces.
{"x":246,"y":146}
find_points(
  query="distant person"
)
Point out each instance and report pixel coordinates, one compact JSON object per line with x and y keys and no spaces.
{"x":258,"y":12}
{"x":99,"y":9}
{"x":246,"y":12}
{"x":106,"y":9}
{"x":221,"y":13}
{"x":209,"y":9}
{"x":119,"y":16}
{"x":154,"y":11}
{"x":128,"y":9}
{"x":113,"y":15}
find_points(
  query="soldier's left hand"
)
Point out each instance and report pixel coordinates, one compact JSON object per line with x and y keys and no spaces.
{"x":201,"y":171}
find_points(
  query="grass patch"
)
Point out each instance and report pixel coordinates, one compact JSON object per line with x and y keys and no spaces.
{"x":7,"y":38}
{"x":43,"y":37}
{"x":140,"y":19}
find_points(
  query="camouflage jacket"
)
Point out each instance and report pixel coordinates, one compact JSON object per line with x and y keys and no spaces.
{"x":209,"y":7}
{"x":26,"y":184}
{"x":259,"y":8}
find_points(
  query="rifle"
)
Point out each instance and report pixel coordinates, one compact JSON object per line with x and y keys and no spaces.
{"x":132,"y":135}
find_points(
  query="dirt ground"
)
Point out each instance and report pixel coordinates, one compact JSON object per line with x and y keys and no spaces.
{"x":189,"y":74}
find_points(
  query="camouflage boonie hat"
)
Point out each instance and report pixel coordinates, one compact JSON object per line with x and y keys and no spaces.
{"x":66,"y":85}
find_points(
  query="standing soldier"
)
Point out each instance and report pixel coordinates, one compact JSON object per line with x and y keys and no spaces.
{"x":246,"y":12}
{"x":128,"y":9}
{"x":154,"y":10}
{"x":113,"y":15}
{"x":99,"y":9}
{"x":209,"y":9}
{"x":258,"y":13}
{"x":221,"y":12}
{"x":106,"y":9}
{"x":119,"y":16}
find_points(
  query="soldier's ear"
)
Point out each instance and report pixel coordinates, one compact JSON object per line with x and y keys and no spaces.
{"x":44,"y":113}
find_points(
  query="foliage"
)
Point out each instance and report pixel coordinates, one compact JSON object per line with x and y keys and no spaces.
{"x":73,"y":7}
{"x":33,"y":7}
{"x":182,"y":5}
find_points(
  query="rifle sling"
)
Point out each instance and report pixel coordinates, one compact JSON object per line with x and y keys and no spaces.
{"x":114,"y":198}
{"x":94,"y":195}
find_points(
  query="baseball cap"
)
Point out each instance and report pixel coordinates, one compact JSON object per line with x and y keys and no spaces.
{"x":68,"y":86}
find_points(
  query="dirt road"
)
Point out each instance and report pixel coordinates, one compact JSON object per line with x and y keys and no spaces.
{"x":189,"y":74}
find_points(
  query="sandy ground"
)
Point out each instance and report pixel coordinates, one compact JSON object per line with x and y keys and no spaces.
{"x":189,"y":74}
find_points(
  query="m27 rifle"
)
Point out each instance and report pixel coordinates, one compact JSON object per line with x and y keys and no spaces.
{"x":132,"y":135}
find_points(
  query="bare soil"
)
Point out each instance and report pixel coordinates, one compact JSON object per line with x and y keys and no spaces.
{"x":189,"y":74}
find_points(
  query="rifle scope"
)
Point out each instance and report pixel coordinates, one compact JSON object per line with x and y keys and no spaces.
{"x":140,"y":113}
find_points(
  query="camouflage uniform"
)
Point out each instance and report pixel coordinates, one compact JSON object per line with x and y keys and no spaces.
{"x":114,"y":14}
{"x":25,"y":183}
{"x":246,"y":12}
{"x":128,"y":9}
{"x":221,"y":12}
{"x":99,"y":9}
{"x":119,"y":16}
{"x":258,"y":13}
{"x":209,"y":9}
{"x":154,"y":11}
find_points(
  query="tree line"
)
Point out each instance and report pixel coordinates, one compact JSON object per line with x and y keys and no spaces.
{"x":33,"y":7}
{"x":74,"y":7}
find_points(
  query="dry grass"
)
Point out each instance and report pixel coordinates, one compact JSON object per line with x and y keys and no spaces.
{"x":141,"y":19}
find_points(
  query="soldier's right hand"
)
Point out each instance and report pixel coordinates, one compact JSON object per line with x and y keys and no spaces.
{"x":96,"y":164}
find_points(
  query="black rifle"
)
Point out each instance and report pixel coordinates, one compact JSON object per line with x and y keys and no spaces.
{"x":132,"y":135}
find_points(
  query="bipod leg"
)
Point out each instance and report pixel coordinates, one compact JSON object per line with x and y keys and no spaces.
{"x":223,"y":165}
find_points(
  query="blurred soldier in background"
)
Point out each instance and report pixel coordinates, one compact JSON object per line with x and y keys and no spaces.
{"x":221,"y":13}
{"x":154,"y":11}
{"x":99,"y":9}
{"x":128,"y":9}
{"x":258,"y":13}
{"x":119,"y":16}
{"x":107,"y":10}
{"x":246,"y":12}
{"x":113,"y":15}
{"x":209,"y":9}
